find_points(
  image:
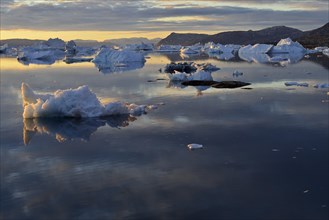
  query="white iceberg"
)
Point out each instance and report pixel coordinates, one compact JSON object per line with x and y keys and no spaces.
{"x":169,"y":48}
{"x":78,"y":103}
{"x":107,"y":55}
{"x":288,"y":46}
{"x":109,"y":60}
{"x":255,"y":49}
{"x":188,"y":50}
{"x":198,"y":75}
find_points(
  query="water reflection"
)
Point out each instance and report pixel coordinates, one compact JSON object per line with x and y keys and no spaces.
{"x":64,"y":129}
{"x":122,"y":67}
{"x":46,"y":61}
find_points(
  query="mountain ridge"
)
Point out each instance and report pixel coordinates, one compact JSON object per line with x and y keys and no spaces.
{"x":270,"y":35}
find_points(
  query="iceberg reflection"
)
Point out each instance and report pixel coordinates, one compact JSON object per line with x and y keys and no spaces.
{"x":64,"y":129}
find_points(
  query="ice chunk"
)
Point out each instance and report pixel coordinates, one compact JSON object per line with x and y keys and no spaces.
{"x":194,"y":146}
{"x":80,"y":103}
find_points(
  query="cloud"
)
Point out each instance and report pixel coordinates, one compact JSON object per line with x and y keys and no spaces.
{"x":142,"y":15}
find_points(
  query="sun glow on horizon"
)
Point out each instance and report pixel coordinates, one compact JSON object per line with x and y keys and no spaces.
{"x":86,"y":35}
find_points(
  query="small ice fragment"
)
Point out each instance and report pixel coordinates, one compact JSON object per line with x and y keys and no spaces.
{"x":314,"y":148}
{"x":194,"y":146}
{"x":294,"y":157}
{"x":306,"y":191}
{"x":275,"y":150}
{"x":323,"y":206}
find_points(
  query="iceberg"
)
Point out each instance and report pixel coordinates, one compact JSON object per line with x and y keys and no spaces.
{"x":140,"y":47}
{"x":169,"y":48}
{"x":188,"y":50}
{"x":288,"y":46}
{"x":77,"y":103}
{"x":70,"y":48}
{"x":3,"y":48}
{"x":255,"y":49}
{"x":107,"y":55}
{"x":189,"y":67}
{"x":199,"y":75}
{"x":109,"y":60}
{"x":46,"y":52}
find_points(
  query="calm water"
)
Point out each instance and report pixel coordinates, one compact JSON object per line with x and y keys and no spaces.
{"x":265,"y":152}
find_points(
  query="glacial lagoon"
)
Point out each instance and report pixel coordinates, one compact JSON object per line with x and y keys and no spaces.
{"x":264,"y":155}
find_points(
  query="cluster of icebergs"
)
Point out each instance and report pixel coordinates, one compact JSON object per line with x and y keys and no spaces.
{"x":284,"y":52}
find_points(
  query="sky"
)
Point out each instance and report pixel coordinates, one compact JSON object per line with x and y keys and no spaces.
{"x":112,"y":19}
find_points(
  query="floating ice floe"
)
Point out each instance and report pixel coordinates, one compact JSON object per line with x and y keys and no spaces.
{"x":169,"y":48}
{"x":109,"y":60}
{"x":194,"y":146}
{"x":79,"y":103}
{"x":296,"y":84}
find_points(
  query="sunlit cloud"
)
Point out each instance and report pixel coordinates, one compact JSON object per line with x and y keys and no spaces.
{"x":160,"y":16}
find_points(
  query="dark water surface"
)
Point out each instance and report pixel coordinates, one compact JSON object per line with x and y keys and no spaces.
{"x":265,"y":152}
